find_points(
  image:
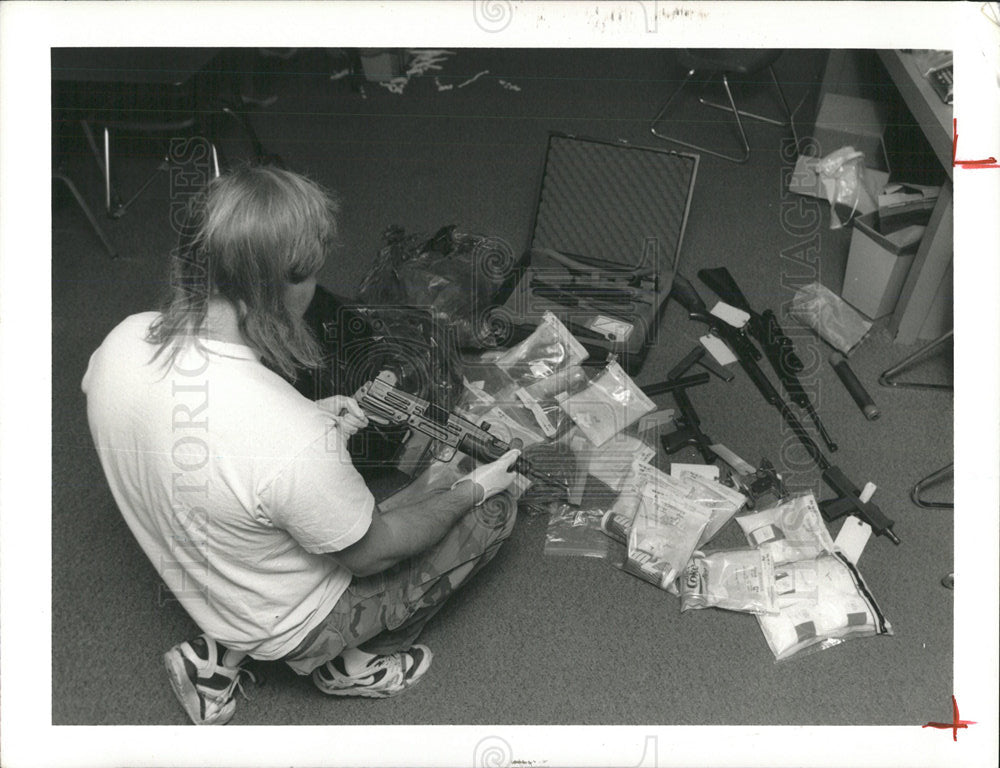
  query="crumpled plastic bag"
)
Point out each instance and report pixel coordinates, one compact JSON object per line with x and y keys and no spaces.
{"x":837,"y":323}
{"x":842,"y":176}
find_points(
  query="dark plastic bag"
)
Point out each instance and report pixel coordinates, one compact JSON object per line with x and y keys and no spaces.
{"x":457,"y":276}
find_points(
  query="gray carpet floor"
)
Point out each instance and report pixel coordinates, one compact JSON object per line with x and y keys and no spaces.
{"x":534,"y":639}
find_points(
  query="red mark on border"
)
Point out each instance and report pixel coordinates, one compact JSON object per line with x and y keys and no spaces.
{"x":955,"y":724}
{"x":989,"y":162}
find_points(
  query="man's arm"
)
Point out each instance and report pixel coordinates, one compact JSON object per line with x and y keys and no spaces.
{"x":407,"y":530}
{"x":413,"y":525}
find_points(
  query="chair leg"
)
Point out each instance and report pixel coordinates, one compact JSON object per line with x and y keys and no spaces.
{"x":667,"y":103}
{"x":101,"y":158}
{"x":88,"y":213}
{"x":888,"y":377}
{"x":739,"y":124}
{"x":931,"y":479}
{"x":784,"y":103}
{"x":788,"y":122}
{"x":754,"y":115}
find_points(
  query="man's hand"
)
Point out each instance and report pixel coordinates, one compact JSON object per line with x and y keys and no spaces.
{"x":346,"y":413}
{"x":376,"y":419}
{"x":494,"y":477}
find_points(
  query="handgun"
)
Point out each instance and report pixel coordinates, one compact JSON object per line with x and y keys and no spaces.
{"x":689,"y":430}
{"x":449,"y":431}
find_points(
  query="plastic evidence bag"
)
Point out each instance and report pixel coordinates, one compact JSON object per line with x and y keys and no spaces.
{"x":663,"y":533}
{"x":549,"y":348}
{"x":791,"y":530}
{"x":735,"y":580}
{"x":612,"y":462}
{"x":609,"y":404}
{"x":840,"y":607}
{"x":833,"y":319}
{"x":722,"y":502}
{"x":576,"y":532}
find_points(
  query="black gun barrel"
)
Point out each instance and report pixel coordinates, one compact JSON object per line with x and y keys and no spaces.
{"x":854,"y":386}
{"x":867,"y":511}
{"x":777,"y":346}
{"x":675,"y":385}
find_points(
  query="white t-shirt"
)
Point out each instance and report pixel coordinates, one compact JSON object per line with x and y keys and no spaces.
{"x":232,"y":482}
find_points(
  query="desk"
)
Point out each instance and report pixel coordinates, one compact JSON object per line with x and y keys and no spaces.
{"x":927,"y":291}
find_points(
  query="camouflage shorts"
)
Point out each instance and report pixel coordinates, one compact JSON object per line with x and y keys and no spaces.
{"x":386,"y":612}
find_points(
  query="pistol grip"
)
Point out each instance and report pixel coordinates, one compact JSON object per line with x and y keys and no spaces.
{"x":679,"y":438}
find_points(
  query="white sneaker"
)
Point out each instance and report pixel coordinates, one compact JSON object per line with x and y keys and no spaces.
{"x":204,"y":687}
{"x":382,"y":677}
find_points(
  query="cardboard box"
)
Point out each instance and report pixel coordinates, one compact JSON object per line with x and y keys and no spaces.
{"x":877,"y":265}
{"x":846,"y":121}
{"x":902,"y":204}
{"x":380,"y":64}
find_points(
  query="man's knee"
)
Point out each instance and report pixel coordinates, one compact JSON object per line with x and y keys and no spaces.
{"x":498,"y":513}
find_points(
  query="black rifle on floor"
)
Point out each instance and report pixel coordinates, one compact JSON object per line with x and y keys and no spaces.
{"x":381,"y":400}
{"x":848,"y":500}
{"x":778,"y":348}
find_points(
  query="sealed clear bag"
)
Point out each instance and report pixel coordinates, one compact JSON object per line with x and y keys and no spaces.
{"x":576,"y":532}
{"x":664,"y":530}
{"x":612,"y":462}
{"x":719,"y":502}
{"x":841,"y":607}
{"x":822,"y":598}
{"x":834,"y":320}
{"x":722,"y":502}
{"x":791,"y":530}
{"x":528,"y":381}
{"x":550,"y":348}
{"x":735,"y":580}
{"x":608,"y":405}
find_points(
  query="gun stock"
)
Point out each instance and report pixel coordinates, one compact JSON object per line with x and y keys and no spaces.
{"x":688,"y":297}
{"x":725,"y":287}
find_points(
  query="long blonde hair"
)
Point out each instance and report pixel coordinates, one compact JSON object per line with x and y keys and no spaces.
{"x":248,"y":234}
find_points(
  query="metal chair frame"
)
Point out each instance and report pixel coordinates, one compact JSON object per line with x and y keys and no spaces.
{"x":888,"y":377}
{"x":932,"y":479}
{"x":94,"y":223}
{"x":113,"y":205}
{"x":732,"y":109}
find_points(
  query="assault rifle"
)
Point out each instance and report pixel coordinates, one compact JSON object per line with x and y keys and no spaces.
{"x":451,"y":432}
{"x":778,"y":348}
{"x":848,"y":499}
